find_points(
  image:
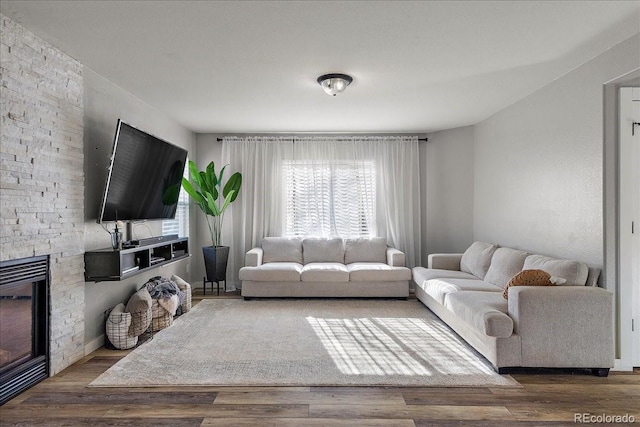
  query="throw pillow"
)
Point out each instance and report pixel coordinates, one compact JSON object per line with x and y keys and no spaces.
{"x":117,"y":328}
{"x":139,"y":301}
{"x":186,"y":288}
{"x":139,"y":305}
{"x":477,"y":259}
{"x":532,"y":278}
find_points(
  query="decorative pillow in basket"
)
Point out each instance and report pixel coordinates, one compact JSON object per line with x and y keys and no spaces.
{"x":139,"y":305}
{"x":186,"y":288}
{"x":532,"y":278}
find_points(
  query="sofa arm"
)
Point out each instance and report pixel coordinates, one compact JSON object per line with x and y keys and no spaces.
{"x":444,"y":261}
{"x":563,"y":326}
{"x":395,"y":257}
{"x":253,"y":258}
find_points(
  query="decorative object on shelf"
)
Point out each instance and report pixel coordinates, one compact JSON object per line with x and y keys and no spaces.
{"x":116,"y":236}
{"x":213,"y":196}
{"x":334,"y":84}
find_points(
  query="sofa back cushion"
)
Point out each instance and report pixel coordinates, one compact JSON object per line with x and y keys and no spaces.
{"x":322,"y":250}
{"x":574,"y":272}
{"x":505,"y":264}
{"x":281,"y":249}
{"x":477,"y":259}
{"x":372,"y":249}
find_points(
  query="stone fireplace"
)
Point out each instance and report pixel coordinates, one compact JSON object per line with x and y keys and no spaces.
{"x":42,"y":177}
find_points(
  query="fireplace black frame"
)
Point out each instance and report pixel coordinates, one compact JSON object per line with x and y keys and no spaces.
{"x":28,"y":373}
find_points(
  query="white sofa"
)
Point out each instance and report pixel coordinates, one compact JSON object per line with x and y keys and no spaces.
{"x":312,"y":267}
{"x":566,"y":326}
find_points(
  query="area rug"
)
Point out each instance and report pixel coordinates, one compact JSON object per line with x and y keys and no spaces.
{"x":305,"y":342}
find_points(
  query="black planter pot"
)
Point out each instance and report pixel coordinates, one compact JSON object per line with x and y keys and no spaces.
{"x":215,"y":264}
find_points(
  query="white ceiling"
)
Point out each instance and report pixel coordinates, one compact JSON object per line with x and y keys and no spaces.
{"x":244,"y":66}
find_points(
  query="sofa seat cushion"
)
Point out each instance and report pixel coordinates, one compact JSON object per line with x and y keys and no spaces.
{"x":484,"y":311}
{"x":438,"y":289}
{"x":377,"y":272}
{"x":272,"y":272}
{"x":574,"y":272}
{"x":422,"y":274}
{"x":281,"y":249}
{"x":505,"y":264}
{"x":324,"y":272}
{"x":322,"y":250}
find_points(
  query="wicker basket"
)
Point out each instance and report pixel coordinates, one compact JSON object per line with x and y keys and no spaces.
{"x":160,"y":318}
{"x":140,"y":322}
{"x":117,"y":329}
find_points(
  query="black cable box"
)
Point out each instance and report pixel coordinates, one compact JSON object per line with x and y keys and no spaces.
{"x":153,"y":240}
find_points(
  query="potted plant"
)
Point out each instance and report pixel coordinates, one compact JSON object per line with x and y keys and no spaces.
{"x":213,"y":195}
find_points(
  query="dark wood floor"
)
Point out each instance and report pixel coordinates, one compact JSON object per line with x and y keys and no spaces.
{"x":545,"y":399}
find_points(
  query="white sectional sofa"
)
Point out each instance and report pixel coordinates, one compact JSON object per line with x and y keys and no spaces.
{"x":566,"y":326}
{"x":311,"y":267}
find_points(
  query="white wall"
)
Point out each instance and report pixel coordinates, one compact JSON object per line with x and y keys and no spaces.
{"x":104,"y":103}
{"x":446,"y":176}
{"x":539,"y":164}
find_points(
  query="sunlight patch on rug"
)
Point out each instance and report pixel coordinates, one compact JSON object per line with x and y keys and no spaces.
{"x":299,"y":342}
{"x":379,"y":346}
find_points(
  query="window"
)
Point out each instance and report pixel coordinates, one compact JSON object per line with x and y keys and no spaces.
{"x":179,"y":225}
{"x":329,"y":199}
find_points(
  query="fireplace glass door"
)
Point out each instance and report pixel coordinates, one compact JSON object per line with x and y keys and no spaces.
{"x":16,"y":325}
{"x":24,"y":324}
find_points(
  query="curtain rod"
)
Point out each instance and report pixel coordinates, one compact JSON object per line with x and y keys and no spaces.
{"x":294,"y":138}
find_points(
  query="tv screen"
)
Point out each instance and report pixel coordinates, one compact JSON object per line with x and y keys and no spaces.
{"x":144,"y":177}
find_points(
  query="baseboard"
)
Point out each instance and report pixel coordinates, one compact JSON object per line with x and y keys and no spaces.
{"x":92,"y":346}
{"x":621,"y":365}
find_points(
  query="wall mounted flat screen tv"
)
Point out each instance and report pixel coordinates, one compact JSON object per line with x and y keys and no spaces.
{"x":144,"y":177}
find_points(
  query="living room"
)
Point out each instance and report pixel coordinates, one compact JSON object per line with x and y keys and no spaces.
{"x":534,"y":168}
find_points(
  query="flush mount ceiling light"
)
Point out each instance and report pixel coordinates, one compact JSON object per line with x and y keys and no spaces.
{"x":334,"y":84}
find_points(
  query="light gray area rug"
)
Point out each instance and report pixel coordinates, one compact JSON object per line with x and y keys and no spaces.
{"x":312,"y":342}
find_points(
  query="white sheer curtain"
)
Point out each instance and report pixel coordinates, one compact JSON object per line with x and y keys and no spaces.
{"x":257,"y":212}
{"x":265,"y":162}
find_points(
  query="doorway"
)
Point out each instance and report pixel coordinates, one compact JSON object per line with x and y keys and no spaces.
{"x":629,"y":217}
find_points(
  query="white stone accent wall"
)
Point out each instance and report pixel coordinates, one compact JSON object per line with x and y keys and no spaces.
{"x":42,"y":176}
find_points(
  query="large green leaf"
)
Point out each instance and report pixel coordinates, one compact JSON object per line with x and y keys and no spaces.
{"x":204,"y":185}
{"x":211,"y":204}
{"x":227,"y":200}
{"x":195,"y":174}
{"x":195,"y":195}
{"x":221,"y":175}
{"x":211,"y":179}
{"x":233,"y":185}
